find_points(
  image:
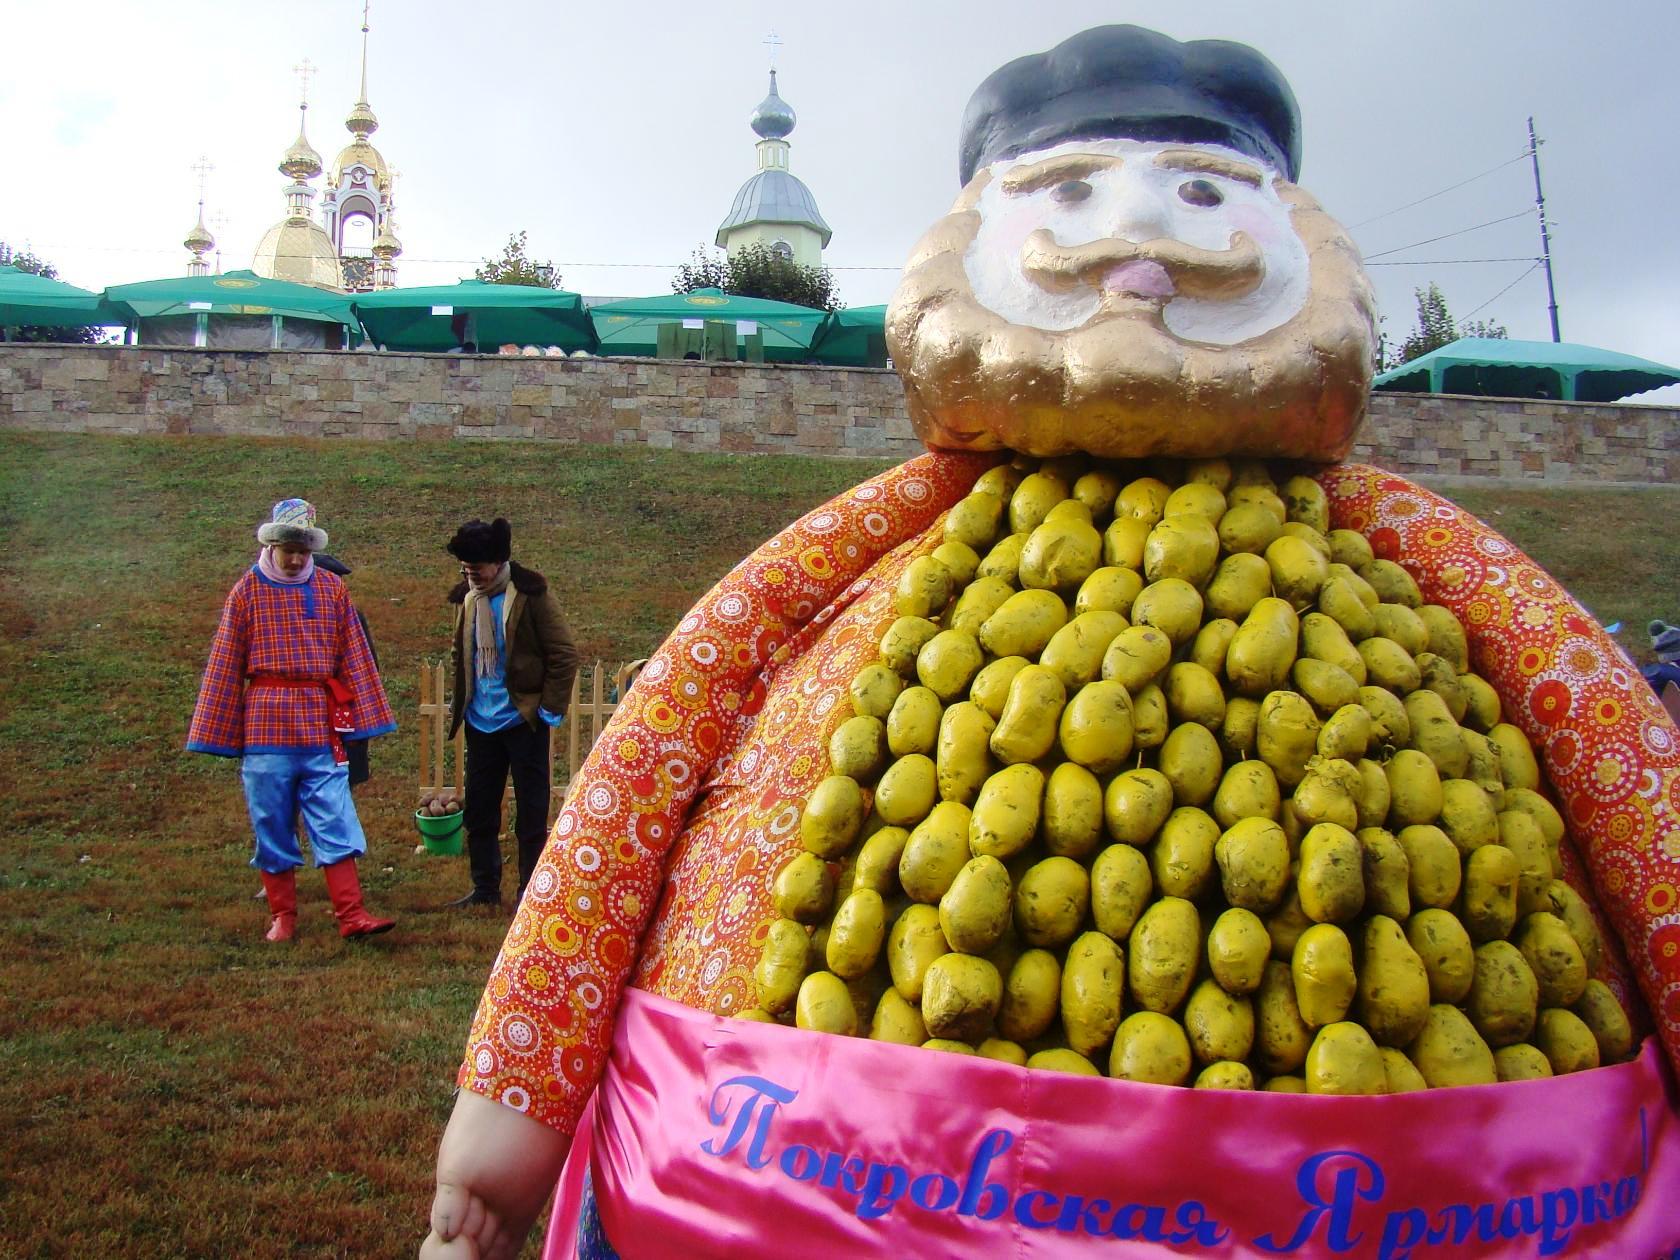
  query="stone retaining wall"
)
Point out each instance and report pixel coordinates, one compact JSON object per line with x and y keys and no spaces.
{"x":730,"y":407}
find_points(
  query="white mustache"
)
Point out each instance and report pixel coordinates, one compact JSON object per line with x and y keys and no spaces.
{"x":1195,"y":272}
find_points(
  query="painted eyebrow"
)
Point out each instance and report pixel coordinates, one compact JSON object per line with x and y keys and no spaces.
{"x":1196,"y":162}
{"x":1027,"y":179}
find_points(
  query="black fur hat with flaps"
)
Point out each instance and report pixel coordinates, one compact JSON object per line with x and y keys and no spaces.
{"x":1128,"y":83}
{"x":478,"y":543}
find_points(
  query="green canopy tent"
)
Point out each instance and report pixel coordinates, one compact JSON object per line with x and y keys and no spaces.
{"x":443,"y":316}
{"x":27,"y":299}
{"x":631,"y":327}
{"x":240,"y":310}
{"x":1498,"y":368}
{"x":855,"y":337}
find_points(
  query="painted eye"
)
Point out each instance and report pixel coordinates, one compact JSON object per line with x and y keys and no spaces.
{"x":1200,"y":192}
{"x":1070,"y":192}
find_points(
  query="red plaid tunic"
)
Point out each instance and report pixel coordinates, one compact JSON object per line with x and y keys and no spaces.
{"x":307,"y":632}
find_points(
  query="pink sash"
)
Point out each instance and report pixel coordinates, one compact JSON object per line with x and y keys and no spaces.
{"x":717,"y":1137}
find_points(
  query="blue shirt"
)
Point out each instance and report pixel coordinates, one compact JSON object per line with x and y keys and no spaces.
{"x":491,"y":708}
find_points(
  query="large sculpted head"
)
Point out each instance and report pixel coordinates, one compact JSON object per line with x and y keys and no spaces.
{"x":1130,"y":269}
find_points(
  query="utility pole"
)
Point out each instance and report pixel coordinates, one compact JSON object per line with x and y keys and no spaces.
{"x":1545,"y":232}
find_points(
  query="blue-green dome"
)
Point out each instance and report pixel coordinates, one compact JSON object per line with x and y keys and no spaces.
{"x":774,"y":117}
{"x":775,"y":197}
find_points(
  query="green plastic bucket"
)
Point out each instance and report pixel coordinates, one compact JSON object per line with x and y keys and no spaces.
{"x":442,"y":834}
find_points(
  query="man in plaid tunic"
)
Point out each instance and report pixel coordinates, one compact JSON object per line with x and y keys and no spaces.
{"x":290,"y":678}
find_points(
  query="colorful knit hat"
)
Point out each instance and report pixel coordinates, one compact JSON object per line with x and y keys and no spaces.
{"x":293,"y":521}
{"x":1665,"y":642}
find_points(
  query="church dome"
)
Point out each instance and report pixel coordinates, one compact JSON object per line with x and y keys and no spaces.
{"x":301,"y":161}
{"x":386,"y":244}
{"x":774,"y":118}
{"x":361,"y":122}
{"x":360,"y":153}
{"x":199,"y":239}
{"x":298,"y":249}
{"x":774,"y":196}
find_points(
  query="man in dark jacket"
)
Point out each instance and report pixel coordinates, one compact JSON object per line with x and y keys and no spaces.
{"x":514,"y":661}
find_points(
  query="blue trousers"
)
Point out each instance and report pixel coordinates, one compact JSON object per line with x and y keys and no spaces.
{"x":280,"y":786}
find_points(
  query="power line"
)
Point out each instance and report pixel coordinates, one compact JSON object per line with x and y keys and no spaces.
{"x":1448,"y":262}
{"x":1533,"y":266}
{"x":1450,"y":188}
{"x":1400,"y":249}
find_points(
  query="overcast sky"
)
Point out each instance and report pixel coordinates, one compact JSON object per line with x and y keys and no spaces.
{"x":616,"y":135}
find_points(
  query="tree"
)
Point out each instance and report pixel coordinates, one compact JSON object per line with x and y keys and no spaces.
{"x":513,"y":267}
{"x":74,"y":334}
{"x":1435,"y":326}
{"x":759,"y":271}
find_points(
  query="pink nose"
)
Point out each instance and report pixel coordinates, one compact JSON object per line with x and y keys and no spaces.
{"x":1141,"y":276}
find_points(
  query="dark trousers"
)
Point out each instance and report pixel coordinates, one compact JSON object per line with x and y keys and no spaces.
{"x":491,"y":756}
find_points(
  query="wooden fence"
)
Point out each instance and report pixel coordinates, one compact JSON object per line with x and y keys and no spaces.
{"x":443,"y":761}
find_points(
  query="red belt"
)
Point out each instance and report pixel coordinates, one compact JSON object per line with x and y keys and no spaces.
{"x":339,"y":698}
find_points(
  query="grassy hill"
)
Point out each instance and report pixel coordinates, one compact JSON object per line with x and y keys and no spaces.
{"x":178,"y":1088}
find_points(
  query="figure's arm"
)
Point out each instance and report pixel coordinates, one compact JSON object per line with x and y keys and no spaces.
{"x":769,"y":606}
{"x":560,"y":657}
{"x":218,"y":720}
{"x":495,"y":1170}
{"x":370,"y":708}
{"x":457,"y":701}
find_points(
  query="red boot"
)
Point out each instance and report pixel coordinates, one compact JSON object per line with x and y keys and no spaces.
{"x":346,"y":893}
{"x":282,"y":904}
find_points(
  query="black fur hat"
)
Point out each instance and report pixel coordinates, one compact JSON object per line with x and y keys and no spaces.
{"x":1125,"y":82}
{"x":478,"y":543}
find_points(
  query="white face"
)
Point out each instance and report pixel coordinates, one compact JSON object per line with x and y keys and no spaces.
{"x":1195,"y":235}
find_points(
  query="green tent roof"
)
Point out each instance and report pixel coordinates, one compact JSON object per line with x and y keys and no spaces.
{"x":424,"y":317}
{"x":26,"y":298}
{"x":855,"y":337}
{"x":1495,"y":367}
{"x":631,"y":327}
{"x":236,"y":293}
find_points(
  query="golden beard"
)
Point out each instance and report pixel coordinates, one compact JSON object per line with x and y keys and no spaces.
{"x":1123,"y":386}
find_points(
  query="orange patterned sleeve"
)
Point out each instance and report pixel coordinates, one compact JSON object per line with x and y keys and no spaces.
{"x":1608,"y":748}
{"x":539,"y":1040}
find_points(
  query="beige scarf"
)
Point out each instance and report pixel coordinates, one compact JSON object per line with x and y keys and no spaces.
{"x":479,"y":621}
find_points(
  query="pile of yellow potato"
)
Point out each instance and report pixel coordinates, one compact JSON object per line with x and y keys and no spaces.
{"x":1159,"y":777}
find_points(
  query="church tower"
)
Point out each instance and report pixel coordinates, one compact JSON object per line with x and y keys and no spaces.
{"x":358,"y":202}
{"x":296,"y":248}
{"x":774,"y":208}
{"x":199,"y":242}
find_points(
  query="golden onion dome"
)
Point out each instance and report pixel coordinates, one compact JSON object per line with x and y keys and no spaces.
{"x":386,"y":244}
{"x":301,"y":161}
{"x":361,"y":153}
{"x":298,"y":249}
{"x":361,"y":123}
{"x":199,"y":239}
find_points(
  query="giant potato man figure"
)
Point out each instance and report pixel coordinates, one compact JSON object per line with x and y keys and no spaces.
{"x":1130,"y":272}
